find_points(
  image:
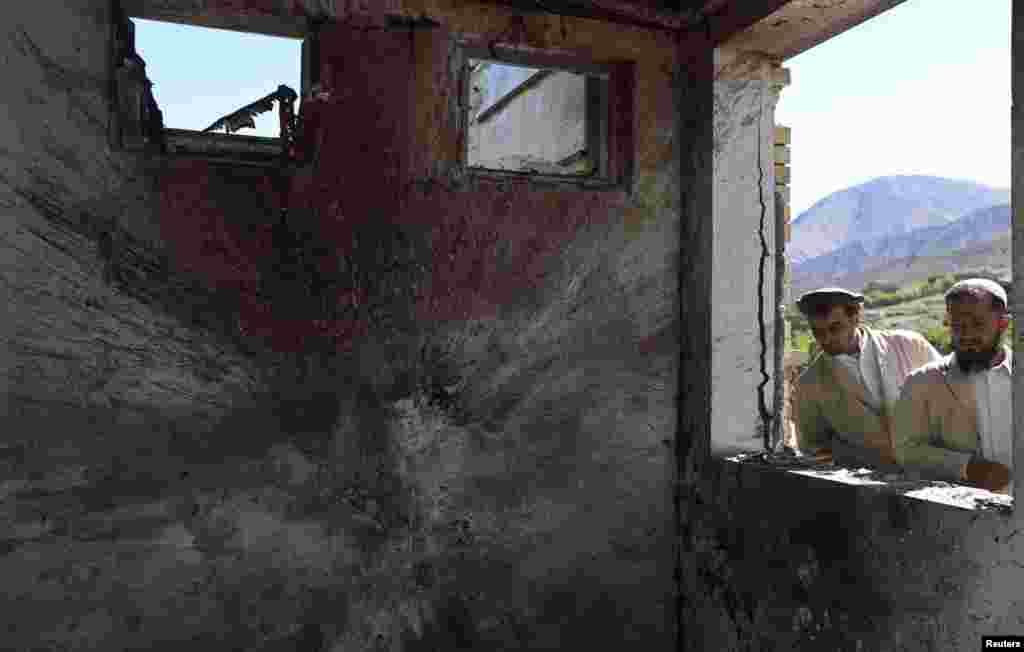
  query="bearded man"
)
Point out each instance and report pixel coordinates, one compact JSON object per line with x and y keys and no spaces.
{"x":954,"y":419}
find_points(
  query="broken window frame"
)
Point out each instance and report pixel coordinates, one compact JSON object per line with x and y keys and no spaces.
{"x":611,"y":173}
{"x":137,"y":122}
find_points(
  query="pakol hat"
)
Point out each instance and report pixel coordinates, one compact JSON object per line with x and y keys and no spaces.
{"x":838,"y":295}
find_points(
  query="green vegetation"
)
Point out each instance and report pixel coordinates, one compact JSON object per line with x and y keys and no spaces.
{"x":938,"y":336}
{"x":801,"y":341}
{"x":876,"y":296}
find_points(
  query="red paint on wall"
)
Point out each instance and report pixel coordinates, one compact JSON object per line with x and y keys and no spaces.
{"x":198,"y":228}
{"x":492,"y":245}
{"x":488,"y":245}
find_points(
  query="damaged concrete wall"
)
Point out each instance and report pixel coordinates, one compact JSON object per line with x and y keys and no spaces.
{"x":787,"y":562}
{"x":113,"y":366}
{"x":744,"y":253}
{"x":460,"y":439}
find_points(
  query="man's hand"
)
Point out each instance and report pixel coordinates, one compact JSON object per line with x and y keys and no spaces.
{"x":822,"y":456}
{"x":987,"y":475}
{"x":882,"y":443}
{"x":886,"y":456}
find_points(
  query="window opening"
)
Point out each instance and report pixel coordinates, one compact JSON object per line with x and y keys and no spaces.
{"x":888,"y":210}
{"x":206,"y":79}
{"x":536,"y":120}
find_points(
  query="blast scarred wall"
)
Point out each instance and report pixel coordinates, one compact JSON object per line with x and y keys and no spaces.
{"x":446,"y":424}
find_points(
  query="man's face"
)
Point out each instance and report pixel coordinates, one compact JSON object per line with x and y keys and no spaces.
{"x":975,"y":331}
{"x":835,"y":331}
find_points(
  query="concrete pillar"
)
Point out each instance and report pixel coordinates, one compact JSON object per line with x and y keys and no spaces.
{"x":743,"y":293}
{"x":696,"y":240}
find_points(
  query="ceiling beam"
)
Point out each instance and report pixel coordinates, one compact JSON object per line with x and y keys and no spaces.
{"x":278,"y":22}
{"x":734,"y":17}
{"x":803,"y":24}
{"x":614,"y":11}
{"x":720,"y":18}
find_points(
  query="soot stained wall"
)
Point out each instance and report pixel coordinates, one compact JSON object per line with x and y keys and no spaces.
{"x":460,"y":438}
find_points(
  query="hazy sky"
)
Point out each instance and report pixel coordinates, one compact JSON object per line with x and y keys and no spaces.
{"x":922,"y":89}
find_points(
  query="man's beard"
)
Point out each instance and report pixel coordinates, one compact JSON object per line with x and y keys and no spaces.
{"x":976,"y":361}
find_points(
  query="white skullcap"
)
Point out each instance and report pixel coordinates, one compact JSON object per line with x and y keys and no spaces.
{"x":979,"y":284}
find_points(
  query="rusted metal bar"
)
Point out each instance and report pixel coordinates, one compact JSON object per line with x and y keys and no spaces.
{"x":505,"y":99}
{"x":245,"y":116}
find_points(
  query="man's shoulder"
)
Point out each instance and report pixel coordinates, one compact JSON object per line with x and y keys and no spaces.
{"x":932,"y":372}
{"x":900,"y":335}
{"x":813,"y":373}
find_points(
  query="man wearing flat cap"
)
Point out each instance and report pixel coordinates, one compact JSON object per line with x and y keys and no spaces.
{"x":954,"y":419}
{"x":843,"y":404}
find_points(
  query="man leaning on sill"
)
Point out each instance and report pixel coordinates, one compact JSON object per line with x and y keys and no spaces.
{"x":954,"y":419}
{"x":844,"y":400}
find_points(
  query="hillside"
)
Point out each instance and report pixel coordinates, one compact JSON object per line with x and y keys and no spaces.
{"x":980,"y":226}
{"x":882,"y":210}
{"x":980,"y":240}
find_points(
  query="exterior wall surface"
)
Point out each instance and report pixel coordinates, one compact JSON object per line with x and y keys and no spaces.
{"x":469,"y":448}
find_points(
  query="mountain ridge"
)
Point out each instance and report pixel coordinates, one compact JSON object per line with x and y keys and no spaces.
{"x":885,"y":207}
{"x":990,"y":257}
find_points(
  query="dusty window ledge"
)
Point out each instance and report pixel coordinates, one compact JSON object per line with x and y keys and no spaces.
{"x":932,"y":491}
{"x":232,"y":148}
{"x":546,"y":179}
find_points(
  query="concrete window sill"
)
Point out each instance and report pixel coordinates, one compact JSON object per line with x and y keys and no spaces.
{"x":931,"y":491}
{"x":229,"y":148}
{"x":558,"y":180}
